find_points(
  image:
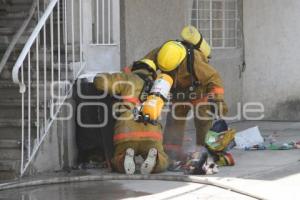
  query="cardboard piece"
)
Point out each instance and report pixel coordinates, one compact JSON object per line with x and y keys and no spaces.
{"x":248,"y":138}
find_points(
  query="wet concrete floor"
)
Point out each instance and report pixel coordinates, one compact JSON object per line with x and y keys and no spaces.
{"x":74,"y":191}
{"x":107,"y":190}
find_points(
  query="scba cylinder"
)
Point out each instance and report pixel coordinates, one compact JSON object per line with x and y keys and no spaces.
{"x":159,"y":92}
{"x":193,"y":36}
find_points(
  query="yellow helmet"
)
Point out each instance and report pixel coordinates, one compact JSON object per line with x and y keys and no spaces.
{"x":144,"y":63}
{"x":192,"y":35}
{"x":170,"y":55}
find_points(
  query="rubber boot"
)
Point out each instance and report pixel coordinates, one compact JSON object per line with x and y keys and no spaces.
{"x":129,"y":164}
{"x":150,"y":162}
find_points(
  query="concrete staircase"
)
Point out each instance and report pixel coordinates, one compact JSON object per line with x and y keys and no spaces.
{"x":12,"y":15}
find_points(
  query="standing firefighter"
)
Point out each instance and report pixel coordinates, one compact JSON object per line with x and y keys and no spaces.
{"x":197,"y":86}
{"x":132,"y":136}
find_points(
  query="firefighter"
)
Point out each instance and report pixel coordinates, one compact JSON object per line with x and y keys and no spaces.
{"x":132,"y":137}
{"x":197,"y":86}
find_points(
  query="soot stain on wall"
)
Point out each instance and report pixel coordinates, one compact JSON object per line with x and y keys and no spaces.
{"x":288,"y":110}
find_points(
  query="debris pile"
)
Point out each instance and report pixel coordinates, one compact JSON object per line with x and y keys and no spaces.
{"x":251,"y":140}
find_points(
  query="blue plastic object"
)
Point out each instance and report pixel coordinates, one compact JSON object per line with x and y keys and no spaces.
{"x":219,"y":126}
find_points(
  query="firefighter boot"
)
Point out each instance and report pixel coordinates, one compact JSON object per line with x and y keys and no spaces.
{"x":129,"y":164}
{"x":150,"y":162}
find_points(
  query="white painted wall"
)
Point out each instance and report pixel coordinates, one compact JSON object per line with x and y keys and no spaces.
{"x":272,"y":44}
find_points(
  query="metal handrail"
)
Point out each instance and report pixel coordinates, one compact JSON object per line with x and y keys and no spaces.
{"x":17,"y":36}
{"x":29,"y":43}
{"x":37,"y":64}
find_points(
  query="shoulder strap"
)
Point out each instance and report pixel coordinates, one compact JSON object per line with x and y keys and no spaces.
{"x":190,"y":61}
{"x":146,"y":87}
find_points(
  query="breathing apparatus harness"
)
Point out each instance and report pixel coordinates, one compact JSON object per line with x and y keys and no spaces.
{"x":190,"y":62}
{"x":137,"y":113}
{"x":148,"y":83}
{"x":153,"y":97}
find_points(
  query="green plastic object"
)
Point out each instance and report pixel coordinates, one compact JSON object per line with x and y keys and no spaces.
{"x":219,"y":141}
{"x":284,"y":146}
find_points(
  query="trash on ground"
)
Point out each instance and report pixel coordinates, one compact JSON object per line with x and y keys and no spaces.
{"x":284,"y":146}
{"x":219,"y":140}
{"x":200,"y":163}
{"x":297,"y":145}
{"x":248,"y":138}
{"x":274,"y":145}
{"x":220,"y":137}
{"x":256,"y":147}
{"x":175,"y":166}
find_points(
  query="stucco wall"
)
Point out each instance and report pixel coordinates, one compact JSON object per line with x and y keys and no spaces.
{"x":149,"y":23}
{"x":228,"y":63}
{"x":272,"y":56}
{"x":59,"y":149}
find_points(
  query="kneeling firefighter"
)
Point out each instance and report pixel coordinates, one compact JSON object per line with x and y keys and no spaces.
{"x":197,"y":86}
{"x":137,"y":131}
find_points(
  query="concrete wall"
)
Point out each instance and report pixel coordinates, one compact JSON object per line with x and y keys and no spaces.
{"x":59,"y":149}
{"x":272,"y":56}
{"x":147,"y":24}
{"x":228,"y":63}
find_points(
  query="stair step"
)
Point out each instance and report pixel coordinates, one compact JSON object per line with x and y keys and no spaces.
{"x":48,"y":66}
{"x":9,"y":144}
{"x":11,"y":129}
{"x":11,"y":91}
{"x":11,"y":133}
{"x":4,"y":46}
{"x":14,"y":105}
{"x":7,"y":38}
{"x":8,"y":84}
{"x":12,"y":28}
{"x":15,"y":123}
{"x":11,"y":108}
{"x":10,"y":154}
{"x":15,"y":7}
{"x":13,"y":2}
{"x":10,"y":165}
{"x":18,"y":15}
{"x":14,"y":133}
{"x":15,"y":20}
{"x":17,"y":102}
{"x":11,"y":84}
{"x":8,"y":93}
{"x":7,"y":30}
{"x":10,"y":64}
{"x":19,"y":48}
{"x":8,"y":175}
{"x":10,"y":31}
{"x":11,"y":123}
